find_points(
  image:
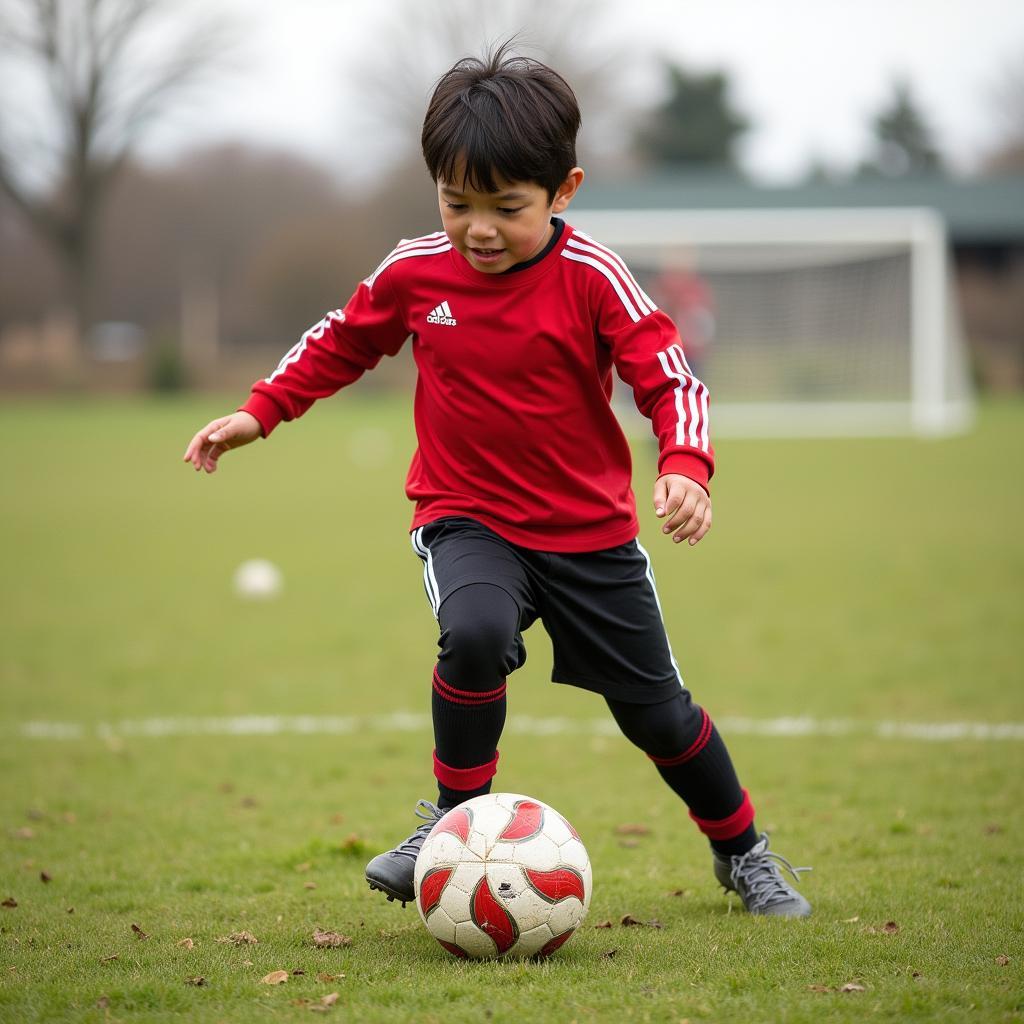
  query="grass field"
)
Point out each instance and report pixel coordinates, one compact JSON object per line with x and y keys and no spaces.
{"x":863,"y":588}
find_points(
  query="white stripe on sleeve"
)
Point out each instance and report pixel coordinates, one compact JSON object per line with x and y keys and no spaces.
{"x":317,"y":331}
{"x":691,"y":399}
{"x":640,"y":297}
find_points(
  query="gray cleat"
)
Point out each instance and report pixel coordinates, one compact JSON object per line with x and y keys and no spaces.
{"x":756,"y":877}
{"x":392,"y":872}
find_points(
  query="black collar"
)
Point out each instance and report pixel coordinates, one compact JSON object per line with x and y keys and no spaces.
{"x":559,"y":226}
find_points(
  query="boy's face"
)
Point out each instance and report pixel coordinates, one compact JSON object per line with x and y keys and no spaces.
{"x":497,"y":230}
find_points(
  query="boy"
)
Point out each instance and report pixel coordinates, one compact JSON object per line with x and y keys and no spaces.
{"x":521,"y":480}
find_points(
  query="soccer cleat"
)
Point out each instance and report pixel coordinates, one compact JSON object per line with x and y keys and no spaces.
{"x":392,"y":872}
{"x":756,"y":877}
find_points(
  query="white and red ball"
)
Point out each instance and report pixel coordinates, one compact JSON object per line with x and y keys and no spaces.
{"x":502,"y":875}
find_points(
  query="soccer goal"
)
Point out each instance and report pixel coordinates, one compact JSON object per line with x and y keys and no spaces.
{"x":806,"y":322}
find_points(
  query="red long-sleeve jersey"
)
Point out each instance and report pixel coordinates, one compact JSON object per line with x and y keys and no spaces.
{"x":512,"y":412}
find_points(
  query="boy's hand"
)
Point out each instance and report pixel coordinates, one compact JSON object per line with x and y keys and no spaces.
{"x":684,"y":505}
{"x":218,"y":437}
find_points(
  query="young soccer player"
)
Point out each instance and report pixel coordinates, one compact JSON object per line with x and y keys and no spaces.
{"x":521,"y":479}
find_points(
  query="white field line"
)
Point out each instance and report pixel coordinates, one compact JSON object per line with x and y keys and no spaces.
{"x":336,"y":725}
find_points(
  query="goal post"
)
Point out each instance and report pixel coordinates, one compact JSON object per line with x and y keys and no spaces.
{"x":806,"y":322}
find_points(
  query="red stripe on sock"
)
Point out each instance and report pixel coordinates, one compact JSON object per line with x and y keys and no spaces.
{"x":467,"y":696}
{"x":728,"y":828}
{"x":693,"y":749}
{"x":464,"y":778}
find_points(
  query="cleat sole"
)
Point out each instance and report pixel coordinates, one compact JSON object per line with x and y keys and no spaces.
{"x":392,"y":896}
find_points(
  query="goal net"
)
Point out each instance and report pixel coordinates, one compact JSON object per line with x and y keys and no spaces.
{"x":806,"y":322}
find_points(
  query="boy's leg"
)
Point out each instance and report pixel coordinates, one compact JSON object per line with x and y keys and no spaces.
{"x":604,"y":617}
{"x":682,"y":741}
{"x":690,"y":755}
{"x":480,"y":644}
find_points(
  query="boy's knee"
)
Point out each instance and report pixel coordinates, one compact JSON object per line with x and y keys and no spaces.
{"x":479,"y":636}
{"x":660,"y":730}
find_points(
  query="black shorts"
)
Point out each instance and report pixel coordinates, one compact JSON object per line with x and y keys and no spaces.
{"x":600,"y":608}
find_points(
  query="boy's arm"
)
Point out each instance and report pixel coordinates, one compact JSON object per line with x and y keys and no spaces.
{"x":331,"y":354}
{"x":649,"y":356}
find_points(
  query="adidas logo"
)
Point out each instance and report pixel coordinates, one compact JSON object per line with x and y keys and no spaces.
{"x":442,"y":315}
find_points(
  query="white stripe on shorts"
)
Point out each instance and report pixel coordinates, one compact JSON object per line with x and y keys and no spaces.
{"x":429,"y":579}
{"x":654,"y":589}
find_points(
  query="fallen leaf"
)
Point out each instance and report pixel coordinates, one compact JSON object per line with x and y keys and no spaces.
{"x":330,"y":999}
{"x":298,"y":972}
{"x":106,"y":959}
{"x":608,"y":954}
{"x":628,"y":921}
{"x":309,"y":885}
{"x":330,"y":940}
{"x":185,"y":943}
{"x":9,"y":902}
{"x":44,"y":877}
{"x":603,"y":924}
{"x":34,"y":814}
{"x":818,"y":988}
{"x":304,"y":866}
{"x":139,"y":933}
{"x":71,"y":910}
{"x":274,"y":978}
{"x":103,"y":1002}
{"x":240,"y":939}
{"x":655,"y":924}
{"x":993,"y":829}
{"x":352,"y":845}
{"x":198,"y":981}
{"x":890,"y":927}
{"x":248,"y":802}
{"x":915,"y":974}
{"x":679,"y":892}
{"x":329,"y":977}
{"x":1002,"y":960}
{"x":852,"y":986}
{"x":632,"y":830}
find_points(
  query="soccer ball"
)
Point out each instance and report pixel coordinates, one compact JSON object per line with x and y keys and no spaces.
{"x":502,"y":875}
{"x":257,"y":580}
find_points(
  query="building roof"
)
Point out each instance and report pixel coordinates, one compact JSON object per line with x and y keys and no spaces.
{"x":976,"y":211}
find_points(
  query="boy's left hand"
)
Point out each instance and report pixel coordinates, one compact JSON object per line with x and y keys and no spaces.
{"x":684,"y":505}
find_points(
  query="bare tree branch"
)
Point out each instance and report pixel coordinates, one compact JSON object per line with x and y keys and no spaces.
{"x":103,"y":72}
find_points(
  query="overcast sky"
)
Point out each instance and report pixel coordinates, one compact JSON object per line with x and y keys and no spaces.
{"x":808,"y":74}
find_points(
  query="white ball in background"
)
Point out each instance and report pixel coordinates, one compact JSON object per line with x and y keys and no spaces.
{"x":258,"y":580}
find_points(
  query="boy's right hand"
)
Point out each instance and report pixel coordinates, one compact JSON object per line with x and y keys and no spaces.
{"x":220,"y":436}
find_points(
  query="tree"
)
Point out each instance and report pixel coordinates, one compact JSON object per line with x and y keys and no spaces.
{"x":83,"y":80}
{"x":696,"y":126}
{"x":903,"y":142}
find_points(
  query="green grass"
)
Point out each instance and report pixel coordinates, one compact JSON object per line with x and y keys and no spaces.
{"x":862,"y":580}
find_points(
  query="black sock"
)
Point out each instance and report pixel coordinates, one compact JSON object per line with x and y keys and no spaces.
{"x":690,"y":755}
{"x":479,"y":647}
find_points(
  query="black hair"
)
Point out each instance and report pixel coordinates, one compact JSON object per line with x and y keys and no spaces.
{"x":507,"y":117}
